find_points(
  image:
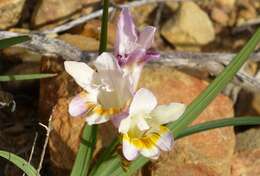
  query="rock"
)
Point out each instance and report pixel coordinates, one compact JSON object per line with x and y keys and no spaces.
{"x":81,"y":42}
{"x":11,"y":12}
{"x":247,"y":154}
{"x":226,"y":3}
{"x":141,"y":13}
{"x":172,"y":5}
{"x":199,"y":153}
{"x":92,"y":29}
{"x":219,"y":16}
{"x":183,"y":30}
{"x":50,"y":11}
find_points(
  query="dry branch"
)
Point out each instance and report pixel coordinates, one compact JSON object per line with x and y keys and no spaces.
{"x":213,"y":62}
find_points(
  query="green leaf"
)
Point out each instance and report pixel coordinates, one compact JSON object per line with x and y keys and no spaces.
{"x":19,"y":162}
{"x":203,"y":100}
{"x":107,"y":152}
{"x":5,"y":78}
{"x":237,"y":121}
{"x":86,"y":148}
{"x":108,"y":166}
{"x":7,"y":42}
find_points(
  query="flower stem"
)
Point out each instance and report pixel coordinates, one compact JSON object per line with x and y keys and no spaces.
{"x":87,"y":145}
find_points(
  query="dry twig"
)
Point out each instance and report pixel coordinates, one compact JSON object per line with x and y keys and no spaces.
{"x":48,"y":130}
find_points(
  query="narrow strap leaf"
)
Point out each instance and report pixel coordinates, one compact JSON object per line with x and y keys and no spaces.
{"x":237,"y":121}
{"x":7,"y":42}
{"x":5,"y":78}
{"x":19,"y":162}
{"x":203,"y":100}
{"x":86,"y":148}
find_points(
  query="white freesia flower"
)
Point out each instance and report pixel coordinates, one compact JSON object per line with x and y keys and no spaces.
{"x":106,"y":91}
{"x":143,"y":130}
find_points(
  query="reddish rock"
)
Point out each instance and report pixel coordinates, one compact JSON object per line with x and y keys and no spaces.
{"x":204,"y":154}
{"x":246,"y":161}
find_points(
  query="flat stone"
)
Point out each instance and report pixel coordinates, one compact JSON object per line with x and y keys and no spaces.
{"x":246,"y":160}
{"x":191,"y":26}
{"x":11,"y":11}
{"x":51,"y":11}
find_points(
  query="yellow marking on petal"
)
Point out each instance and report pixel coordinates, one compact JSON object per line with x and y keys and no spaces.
{"x":105,"y":112}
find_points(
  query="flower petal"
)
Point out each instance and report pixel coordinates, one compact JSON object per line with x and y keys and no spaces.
{"x":150,"y":55}
{"x":142,"y":124}
{"x":116,"y":120}
{"x":81,"y":104}
{"x":149,"y":149}
{"x":96,"y":119}
{"x":126,"y":36}
{"x":124,"y":125}
{"x":143,"y":102}
{"x":165,"y":142}
{"x":130,"y":151}
{"x":146,"y":37}
{"x":167,"y":113}
{"x":106,"y":61}
{"x":81,"y":73}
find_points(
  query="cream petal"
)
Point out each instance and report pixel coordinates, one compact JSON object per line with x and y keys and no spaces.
{"x":165,"y":142}
{"x":130,"y":151}
{"x":150,"y":152}
{"x":143,"y":102}
{"x":81,"y":73}
{"x":142,"y":124}
{"x":146,"y":37}
{"x":124,"y":125}
{"x":106,"y":61}
{"x":95,"y":118}
{"x":164,"y":114}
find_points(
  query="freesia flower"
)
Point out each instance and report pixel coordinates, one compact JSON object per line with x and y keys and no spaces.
{"x":106,"y":91}
{"x":143,"y":130}
{"x":132,"y":48}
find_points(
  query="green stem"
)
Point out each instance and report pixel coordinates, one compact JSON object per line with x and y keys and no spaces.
{"x":103,"y":34}
{"x":87,"y":145}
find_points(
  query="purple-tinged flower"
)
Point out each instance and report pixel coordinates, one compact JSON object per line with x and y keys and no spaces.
{"x":132,"y":48}
{"x":106,"y":91}
{"x":143,"y":130}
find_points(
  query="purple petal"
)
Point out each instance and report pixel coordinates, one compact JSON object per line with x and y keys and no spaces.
{"x":118,"y":118}
{"x":146,"y":37}
{"x":150,"y":55}
{"x":77,"y":106}
{"x":136,"y":56}
{"x":126,"y":33}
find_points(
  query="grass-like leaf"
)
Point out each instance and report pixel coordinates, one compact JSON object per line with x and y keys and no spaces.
{"x":237,"y":121}
{"x":19,"y":162}
{"x":86,"y":148}
{"x":7,"y":42}
{"x":203,"y":100}
{"x":5,"y":78}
